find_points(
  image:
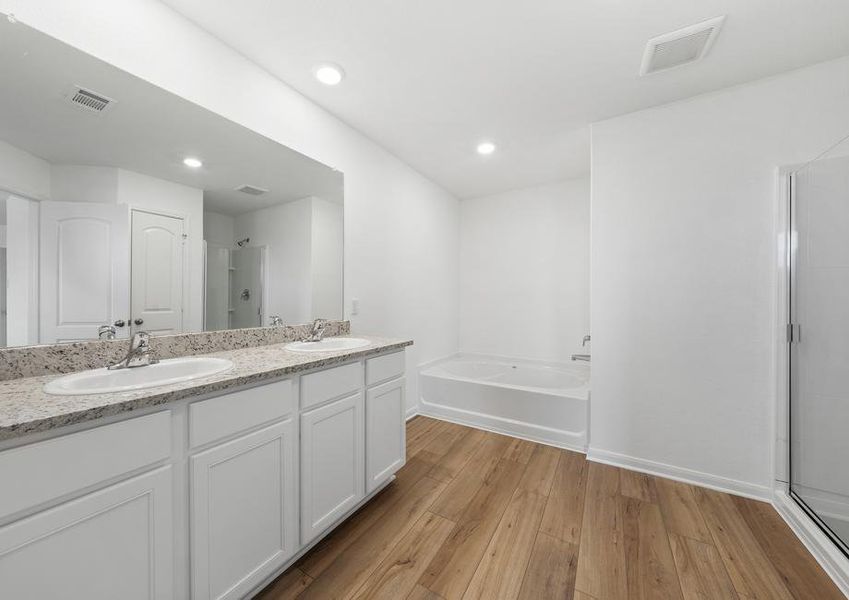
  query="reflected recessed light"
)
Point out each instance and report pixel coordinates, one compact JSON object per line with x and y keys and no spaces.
{"x":329,"y":74}
{"x":486,"y":148}
{"x":192,"y":162}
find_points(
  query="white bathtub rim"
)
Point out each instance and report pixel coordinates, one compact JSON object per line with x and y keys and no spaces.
{"x":568,"y":440}
{"x":576,"y":393}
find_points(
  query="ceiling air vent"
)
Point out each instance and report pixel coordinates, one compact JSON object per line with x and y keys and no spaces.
{"x":680,"y":47}
{"x":251,"y":190}
{"x":88,"y":100}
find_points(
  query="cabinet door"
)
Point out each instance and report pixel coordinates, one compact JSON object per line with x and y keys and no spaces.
{"x":385,"y":432}
{"x":113,"y":543}
{"x":332,"y":471}
{"x":242,"y":511}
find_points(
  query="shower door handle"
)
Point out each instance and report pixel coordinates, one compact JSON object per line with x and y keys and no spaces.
{"x":794,"y":333}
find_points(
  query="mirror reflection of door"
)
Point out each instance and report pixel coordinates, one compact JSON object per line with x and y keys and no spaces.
{"x":157,"y":273}
{"x":83,"y":269}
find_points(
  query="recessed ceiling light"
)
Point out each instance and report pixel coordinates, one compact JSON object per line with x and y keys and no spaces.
{"x":486,"y":148}
{"x":194,"y":163}
{"x":329,"y":74}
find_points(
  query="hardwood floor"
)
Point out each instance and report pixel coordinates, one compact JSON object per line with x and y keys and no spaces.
{"x":478,"y":515}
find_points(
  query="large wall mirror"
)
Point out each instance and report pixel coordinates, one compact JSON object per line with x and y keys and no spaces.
{"x":123,"y":205}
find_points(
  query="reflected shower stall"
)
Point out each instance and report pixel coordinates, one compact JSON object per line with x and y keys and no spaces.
{"x":818,"y":338}
{"x":235,"y":282}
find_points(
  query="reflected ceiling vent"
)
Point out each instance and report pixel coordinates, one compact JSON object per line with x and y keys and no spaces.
{"x":680,"y":47}
{"x":251,"y":190}
{"x":89,"y":100}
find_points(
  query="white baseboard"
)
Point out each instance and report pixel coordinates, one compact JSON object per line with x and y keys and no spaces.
{"x":714,"y":482}
{"x":823,"y":549}
{"x":526,"y":431}
{"x":411,"y":412}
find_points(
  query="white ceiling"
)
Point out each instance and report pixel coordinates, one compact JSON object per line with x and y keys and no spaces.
{"x":148,"y":130}
{"x":429,"y":79}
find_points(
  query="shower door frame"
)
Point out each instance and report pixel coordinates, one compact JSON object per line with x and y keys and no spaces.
{"x":826,"y":547}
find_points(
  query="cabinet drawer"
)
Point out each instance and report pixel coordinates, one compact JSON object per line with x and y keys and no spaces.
{"x":47,"y":470}
{"x":213,"y":419}
{"x":384,"y":368}
{"x":332,"y":383}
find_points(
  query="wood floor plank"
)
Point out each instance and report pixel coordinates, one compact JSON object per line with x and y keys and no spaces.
{"x":539,"y":476}
{"x":397,"y":574}
{"x":799,"y":570}
{"x":420,"y":442}
{"x":751,"y":572}
{"x":286,"y":587}
{"x":460,"y":491}
{"x":458,"y":455}
{"x":344,"y":576}
{"x":648,"y":558}
{"x":601,"y":558}
{"x":454,"y":565}
{"x":502,"y":568}
{"x":637,"y":485}
{"x":420,"y":592}
{"x":599,"y":535}
{"x":700,"y":570}
{"x":680,"y":511}
{"x":519,"y":450}
{"x":444,"y":440}
{"x":551,"y":570}
{"x":564,"y":510}
{"x":326,"y":551}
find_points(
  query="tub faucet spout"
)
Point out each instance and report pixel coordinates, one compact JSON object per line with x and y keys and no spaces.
{"x":583,"y":357}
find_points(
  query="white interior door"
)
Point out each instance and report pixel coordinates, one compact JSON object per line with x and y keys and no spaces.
{"x":157,"y":273}
{"x":83,"y":256}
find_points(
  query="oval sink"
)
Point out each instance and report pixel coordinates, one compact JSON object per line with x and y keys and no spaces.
{"x":328,"y":345}
{"x":104,"y":381}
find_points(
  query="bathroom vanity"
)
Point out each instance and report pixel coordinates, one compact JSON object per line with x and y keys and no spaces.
{"x":203,"y":489}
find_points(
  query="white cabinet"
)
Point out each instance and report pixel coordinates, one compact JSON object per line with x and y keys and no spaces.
{"x":207,"y":499}
{"x":113,"y":543}
{"x":243,"y":519}
{"x":332,"y":475}
{"x":385,"y":432}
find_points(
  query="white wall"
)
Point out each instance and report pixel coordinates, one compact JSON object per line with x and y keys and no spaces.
{"x":684,"y":263}
{"x":326,"y":259}
{"x":287,"y":231}
{"x":401,"y":230}
{"x":82,"y":183}
{"x":22,"y":298}
{"x":218,"y":228}
{"x":23,"y":173}
{"x":524,"y":271}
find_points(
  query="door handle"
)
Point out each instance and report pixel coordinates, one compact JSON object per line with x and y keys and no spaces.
{"x":119,"y":323}
{"x":139,"y":321}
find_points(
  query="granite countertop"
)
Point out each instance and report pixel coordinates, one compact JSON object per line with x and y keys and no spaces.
{"x":25,"y":408}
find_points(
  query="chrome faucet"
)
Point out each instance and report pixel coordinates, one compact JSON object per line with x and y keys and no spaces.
{"x":139,"y":355}
{"x":318,"y":327}
{"x":276,"y":321}
{"x":583,"y":357}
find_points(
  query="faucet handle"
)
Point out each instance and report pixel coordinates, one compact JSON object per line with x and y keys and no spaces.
{"x":586,"y":339}
{"x":106,"y":332}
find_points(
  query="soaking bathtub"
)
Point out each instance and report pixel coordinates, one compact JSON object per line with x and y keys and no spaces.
{"x":543,"y":402}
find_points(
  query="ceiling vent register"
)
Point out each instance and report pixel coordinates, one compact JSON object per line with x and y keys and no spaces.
{"x":680,"y":47}
{"x":89,"y":100}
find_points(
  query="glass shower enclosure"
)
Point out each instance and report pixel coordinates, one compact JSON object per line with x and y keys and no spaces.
{"x":818,"y":341}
